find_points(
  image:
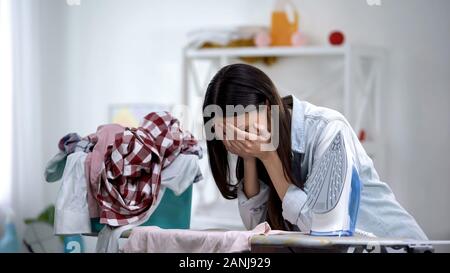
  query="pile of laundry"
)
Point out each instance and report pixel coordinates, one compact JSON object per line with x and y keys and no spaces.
{"x":118,"y":174}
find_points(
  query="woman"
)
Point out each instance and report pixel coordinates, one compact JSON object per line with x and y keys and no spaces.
{"x":274,"y":184}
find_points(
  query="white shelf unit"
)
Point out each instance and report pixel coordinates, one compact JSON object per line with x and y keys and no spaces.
{"x":278,"y":51}
{"x":354,"y":58}
{"x":354,"y":67}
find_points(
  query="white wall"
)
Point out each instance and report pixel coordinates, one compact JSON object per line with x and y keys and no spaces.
{"x":416,"y":112}
{"x":6,"y":98}
{"x":27,"y":170}
{"x":117,"y":51}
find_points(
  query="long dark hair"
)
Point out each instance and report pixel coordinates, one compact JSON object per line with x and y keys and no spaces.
{"x":241,"y":84}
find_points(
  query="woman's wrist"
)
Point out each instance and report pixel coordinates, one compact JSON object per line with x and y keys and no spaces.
{"x":251,"y":185}
{"x":249,"y":160}
{"x":274,"y":167}
{"x":269,"y":157}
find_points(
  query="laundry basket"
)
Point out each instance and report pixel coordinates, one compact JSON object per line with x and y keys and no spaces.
{"x":173,"y":212}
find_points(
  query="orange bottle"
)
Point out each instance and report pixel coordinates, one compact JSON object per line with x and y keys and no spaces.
{"x":285,"y":20}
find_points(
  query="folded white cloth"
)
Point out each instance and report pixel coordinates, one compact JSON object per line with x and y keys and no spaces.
{"x":222,"y":36}
{"x":156,"y":240}
{"x":71,"y":208}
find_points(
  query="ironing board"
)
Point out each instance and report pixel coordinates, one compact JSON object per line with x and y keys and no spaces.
{"x":301,"y":242}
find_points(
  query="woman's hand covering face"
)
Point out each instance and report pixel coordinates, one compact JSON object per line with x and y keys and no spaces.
{"x":250,"y":144}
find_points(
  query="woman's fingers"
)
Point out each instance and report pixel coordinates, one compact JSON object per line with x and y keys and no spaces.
{"x":240,"y":134}
{"x":219,"y":130}
{"x":235,"y":147}
{"x":263,"y":133}
{"x":244,"y":143}
{"x":228,"y":146}
{"x":240,"y":145}
{"x":246,"y":140}
{"x":229,"y":131}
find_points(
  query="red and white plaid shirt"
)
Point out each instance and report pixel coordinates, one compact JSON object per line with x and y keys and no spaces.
{"x":130,"y":181}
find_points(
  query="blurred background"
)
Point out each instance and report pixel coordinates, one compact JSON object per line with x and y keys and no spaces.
{"x":71,"y":65}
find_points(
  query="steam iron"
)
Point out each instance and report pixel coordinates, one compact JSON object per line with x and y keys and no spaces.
{"x":334,"y":196}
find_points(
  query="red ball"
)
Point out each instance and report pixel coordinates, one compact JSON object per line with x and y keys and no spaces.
{"x":362,"y":136}
{"x":337,"y":38}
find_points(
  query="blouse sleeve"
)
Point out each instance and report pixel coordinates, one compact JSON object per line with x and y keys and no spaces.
{"x":334,"y":156}
{"x":253,"y":210}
